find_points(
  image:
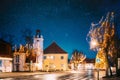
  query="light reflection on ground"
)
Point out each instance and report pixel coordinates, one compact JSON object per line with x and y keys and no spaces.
{"x":50,"y":77}
{"x":71,"y":75}
{"x":7,"y":79}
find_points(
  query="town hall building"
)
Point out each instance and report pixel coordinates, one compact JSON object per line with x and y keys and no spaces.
{"x":55,"y":58}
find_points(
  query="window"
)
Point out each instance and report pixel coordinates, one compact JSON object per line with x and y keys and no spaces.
{"x":62,"y":65}
{"x":17,"y":58}
{"x":37,"y":40}
{"x":62,"y":57}
{"x":44,"y":57}
{"x":0,"y":63}
{"x":52,"y":57}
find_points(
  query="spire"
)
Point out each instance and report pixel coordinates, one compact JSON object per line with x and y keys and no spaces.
{"x":15,"y":47}
{"x":37,"y":33}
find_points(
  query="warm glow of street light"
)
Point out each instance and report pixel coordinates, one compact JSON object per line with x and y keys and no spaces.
{"x":93,"y":44}
{"x":50,"y":77}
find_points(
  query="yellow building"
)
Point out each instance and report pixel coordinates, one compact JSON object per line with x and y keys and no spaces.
{"x":55,"y":58}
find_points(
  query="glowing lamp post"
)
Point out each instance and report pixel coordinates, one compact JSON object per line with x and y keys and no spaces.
{"x":94,"y":45}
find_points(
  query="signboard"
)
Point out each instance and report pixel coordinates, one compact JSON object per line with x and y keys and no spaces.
{"x":100,"y":61}
{"x":97,"y":60}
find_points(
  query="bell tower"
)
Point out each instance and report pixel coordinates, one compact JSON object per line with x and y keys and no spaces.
{"x":38,"y":48}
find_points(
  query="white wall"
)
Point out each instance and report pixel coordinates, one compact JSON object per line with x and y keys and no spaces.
{"x":6,"y":64}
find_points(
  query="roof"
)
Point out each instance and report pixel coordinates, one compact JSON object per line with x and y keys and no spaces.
{"x":90,"y":60}
{"x":5,"y":49}
{"x":3,"y":41}
{"x":54,"y":48}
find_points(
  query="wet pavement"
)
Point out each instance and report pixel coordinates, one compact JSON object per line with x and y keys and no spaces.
{"x":69,"y":75}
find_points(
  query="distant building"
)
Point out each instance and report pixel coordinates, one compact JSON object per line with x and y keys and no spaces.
{"x":29,"y":58}
{"x":55,"y":58}
{"x":5,"y":57}
{"x":77,"y":60}
{"x":90,"y":63}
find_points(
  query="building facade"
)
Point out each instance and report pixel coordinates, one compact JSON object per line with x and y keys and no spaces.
{"x":19,"y":59}
{"x":30,"y":58}
{"x":89,"y":63}
{"x":38,"y":49}
{"x":55,"y":58}
{"x":5,"y":57}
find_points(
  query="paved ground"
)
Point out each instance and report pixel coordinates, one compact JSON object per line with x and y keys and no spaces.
{"x":23,"y":74}
{"x":17,"y":74}
{"x":112,"y":78}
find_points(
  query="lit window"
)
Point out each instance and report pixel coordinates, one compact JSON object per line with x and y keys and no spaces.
{"x":52,"y":57}
{"x":62,"y":57}
{"x":44,"y":57}
{"x":0,"y":63}
{"x":46,"y":65}
{"x":62,"y":65}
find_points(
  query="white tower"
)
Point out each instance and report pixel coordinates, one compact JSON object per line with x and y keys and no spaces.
{"x":38,"y":48}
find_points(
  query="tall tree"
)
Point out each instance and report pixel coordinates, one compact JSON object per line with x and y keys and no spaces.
{"x":102,"y":39}
{"x":27,"y":35}
{"x":115,"y":58}
{"x":8,"y":37}
{"x":77,"y":58}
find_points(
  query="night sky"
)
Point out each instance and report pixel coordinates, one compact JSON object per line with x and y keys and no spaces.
{"x":66,"y":22}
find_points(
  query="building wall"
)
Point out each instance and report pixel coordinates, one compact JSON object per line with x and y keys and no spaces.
{"x":5,"y":64}
{"x":38,"y":49}
{"x":89,"y":66}
{"x":20,"y":62}
{"x":55,"y":62}
{"x":5,"y":56}
{"x":38,"y":43}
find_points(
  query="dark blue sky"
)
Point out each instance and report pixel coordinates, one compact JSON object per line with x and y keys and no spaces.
{"x":66,"y":22}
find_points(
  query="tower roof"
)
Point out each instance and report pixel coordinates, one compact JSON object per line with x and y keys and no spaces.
{"x":54,"y":48}
{"x":37,"y":33}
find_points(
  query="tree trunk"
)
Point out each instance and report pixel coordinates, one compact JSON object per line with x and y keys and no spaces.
{"x":108,"y":68}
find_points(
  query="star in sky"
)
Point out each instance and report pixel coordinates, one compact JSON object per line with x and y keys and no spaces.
{"x":65,"y":21}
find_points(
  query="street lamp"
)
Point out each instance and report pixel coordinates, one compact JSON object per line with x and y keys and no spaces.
{"x":93,"y":45}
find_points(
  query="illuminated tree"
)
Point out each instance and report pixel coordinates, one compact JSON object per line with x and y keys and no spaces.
{"x":77,"y":58}
{"x":30,"y":57}
{"x":27,"y":35}
{"x":102,"y":39}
